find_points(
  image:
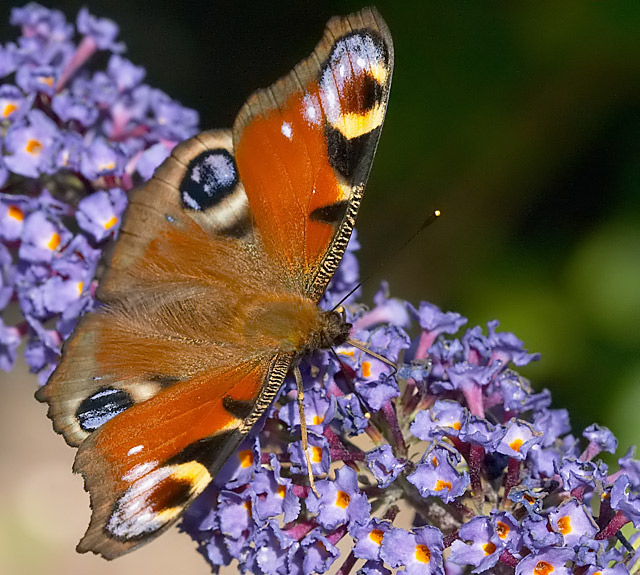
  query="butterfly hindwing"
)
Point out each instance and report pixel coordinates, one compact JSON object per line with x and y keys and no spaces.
{"x":304,"y":147}
{"x":82,"y":394}
{"x":144,"y":467}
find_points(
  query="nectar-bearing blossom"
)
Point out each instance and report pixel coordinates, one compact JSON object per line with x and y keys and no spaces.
{"x":449,"y":462}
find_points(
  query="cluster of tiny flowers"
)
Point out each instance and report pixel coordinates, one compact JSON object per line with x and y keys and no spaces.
{"x":448,"y":464}
{"x":73,"y":141}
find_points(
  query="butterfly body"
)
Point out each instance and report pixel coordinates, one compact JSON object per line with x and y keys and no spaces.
{"x":212,"y":290}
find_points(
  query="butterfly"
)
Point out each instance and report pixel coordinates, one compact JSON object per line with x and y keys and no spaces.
{"x":210,"y":297}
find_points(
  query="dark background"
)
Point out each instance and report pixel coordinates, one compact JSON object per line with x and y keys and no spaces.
{"x":520,"y":121}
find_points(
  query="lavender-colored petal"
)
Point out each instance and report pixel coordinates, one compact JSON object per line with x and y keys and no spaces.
{"x":420,"y":552}
{"x":368,"y":537}
{"x":102,"y":30}
{"x":13,"y":103}
{"x":318,"y":453}
{"x":384,"y":465}
{"x":340,"y":500}
{"x":100,"y":214}
{"x":101,"y":158}
{"x":478,"y":545}
{"x":518,"y":438}
{"x":151,"y":159}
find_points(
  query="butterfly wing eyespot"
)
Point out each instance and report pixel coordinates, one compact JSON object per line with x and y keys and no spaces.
{"x":198,"y":330}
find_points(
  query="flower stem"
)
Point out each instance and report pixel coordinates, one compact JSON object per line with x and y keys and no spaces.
{"x":618,"y":521}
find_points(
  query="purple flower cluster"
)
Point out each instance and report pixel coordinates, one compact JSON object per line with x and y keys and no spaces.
{"x":73,"y":141}
{"x":452,"y":464}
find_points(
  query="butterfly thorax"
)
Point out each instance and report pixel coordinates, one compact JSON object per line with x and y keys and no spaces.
{"x":290,"y":323}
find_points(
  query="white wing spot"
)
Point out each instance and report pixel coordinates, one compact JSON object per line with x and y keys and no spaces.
{"x":286,"y":130}
{"x":361,"y":62}
{"x":136,"y":449}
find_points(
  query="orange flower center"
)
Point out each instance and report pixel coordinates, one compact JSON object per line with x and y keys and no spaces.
{"x":316,"y":454}
{"x":423,"y":554}
{"x":16,"y":213}
{"x":9,"y":109}
{"x":543,"y":568}
{"x":502,"y":529}
{"x":112,"y":222}
{"x":376,"y":536}
{"x":342,"y":499}
{"x":33,"y":147}
{"x":54,"y":241}
{"x":440,"y":485}
{"x":564,"y":525}
{"x":516,"y":444}
{"x":318,"y":419}
{"x":366,"y":369}
{"x":489,"y":548}
{"x":282,"y":491}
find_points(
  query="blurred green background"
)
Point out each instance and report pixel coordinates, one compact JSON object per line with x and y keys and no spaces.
{"x":519,"y":120}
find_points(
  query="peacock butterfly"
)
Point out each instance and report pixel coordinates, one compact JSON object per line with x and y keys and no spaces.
{"x":211,"y":293}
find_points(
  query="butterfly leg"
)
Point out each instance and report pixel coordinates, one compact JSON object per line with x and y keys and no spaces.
{"x":303,"y":428}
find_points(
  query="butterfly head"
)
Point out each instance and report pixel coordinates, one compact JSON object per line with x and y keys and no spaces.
{"x":334,"y":329}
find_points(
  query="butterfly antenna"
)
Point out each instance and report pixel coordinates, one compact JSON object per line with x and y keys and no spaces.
{"x":362,"y":347}
{"x":424,"y":225}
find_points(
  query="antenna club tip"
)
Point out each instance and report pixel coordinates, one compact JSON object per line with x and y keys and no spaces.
{"x":437,"y":213}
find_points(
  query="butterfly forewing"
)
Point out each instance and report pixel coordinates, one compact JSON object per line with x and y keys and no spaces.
{"x":171,"y":199}
{"x":210,"y":292}
{"x":304,"y":147}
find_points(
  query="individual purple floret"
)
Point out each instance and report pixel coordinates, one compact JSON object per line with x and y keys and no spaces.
{"x":384,"y":465}
{"x":419,"y":551}
{"x":369,"y":537}
{"x":437,"y":474}
{"x":573,"y":521}
{"x":478,"y":545}
{"x":340,"y":500}
{"x":554,"y":560}
{"x":30,"y":144}
{"x":100,"y":213}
